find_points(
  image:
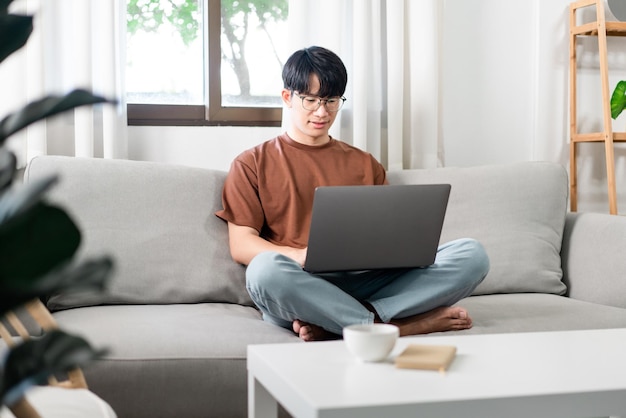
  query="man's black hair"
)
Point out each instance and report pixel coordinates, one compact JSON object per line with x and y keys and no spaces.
{"x":325,"y":64}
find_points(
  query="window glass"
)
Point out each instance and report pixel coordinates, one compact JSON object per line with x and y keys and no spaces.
{"x":254,"y":48}
{"x":164,"y":52}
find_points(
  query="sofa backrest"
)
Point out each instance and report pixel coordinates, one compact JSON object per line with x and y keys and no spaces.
{"x":157,"y":222}
{"x":517,"y":211}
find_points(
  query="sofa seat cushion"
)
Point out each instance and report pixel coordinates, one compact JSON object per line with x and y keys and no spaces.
{"x":206,"y":330}
{"x":182,"y":352}
{"x":532,"y":312}
{"x":157,"y":222}
{"x":517,"y":211}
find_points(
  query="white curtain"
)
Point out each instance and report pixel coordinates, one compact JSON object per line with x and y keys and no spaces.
{"x":75,"y":44}
{"x":391,"y":50}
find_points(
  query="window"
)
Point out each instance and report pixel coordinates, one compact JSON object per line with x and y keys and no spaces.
{"x":205,"y":62}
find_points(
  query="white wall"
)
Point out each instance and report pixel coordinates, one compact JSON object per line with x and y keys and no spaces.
{"x":485,"y":62}
{"x":211,"y":147}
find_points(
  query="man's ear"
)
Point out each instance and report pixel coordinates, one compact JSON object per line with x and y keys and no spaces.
{"x":287,"y":95}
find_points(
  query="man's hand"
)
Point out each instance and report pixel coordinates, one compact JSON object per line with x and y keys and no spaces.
{"x":296,"y":254}
{"x":245,"y":243}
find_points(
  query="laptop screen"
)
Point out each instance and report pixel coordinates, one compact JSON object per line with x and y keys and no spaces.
{"x":375,"y":227}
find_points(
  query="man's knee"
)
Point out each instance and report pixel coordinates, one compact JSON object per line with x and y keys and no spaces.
{"x":270,"y":270}
{"x":261,"y":269}
{"x":477,"y":260}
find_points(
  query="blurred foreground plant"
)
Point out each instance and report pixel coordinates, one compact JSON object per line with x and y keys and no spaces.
{"x":38,"y":240}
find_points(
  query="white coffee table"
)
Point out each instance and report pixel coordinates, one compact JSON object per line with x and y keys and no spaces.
{"x":553,"y":374}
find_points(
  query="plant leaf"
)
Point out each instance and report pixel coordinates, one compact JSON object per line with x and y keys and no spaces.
{"x":90,"y":274}
{"x":14,"y":32}
{"x":35,"y":242}
{"x":43,"y":108}
{"x":4,"y":6}
{"x":618,"y":99}
{"x":33,"y":361}
{"x":8,"y":165}
{"x":19,"y":200}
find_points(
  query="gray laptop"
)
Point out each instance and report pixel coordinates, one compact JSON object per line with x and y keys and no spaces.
{"x":375,"y":227}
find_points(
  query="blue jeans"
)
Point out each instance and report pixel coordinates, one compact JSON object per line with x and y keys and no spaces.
{"x":283,"y":291}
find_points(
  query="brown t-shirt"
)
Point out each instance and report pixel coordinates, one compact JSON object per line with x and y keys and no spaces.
{"x":270,"y":187}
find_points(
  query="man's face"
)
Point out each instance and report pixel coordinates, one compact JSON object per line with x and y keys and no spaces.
{"x":308,"y":126}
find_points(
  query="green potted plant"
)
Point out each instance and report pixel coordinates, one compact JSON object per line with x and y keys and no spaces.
{"x":38,"y":240}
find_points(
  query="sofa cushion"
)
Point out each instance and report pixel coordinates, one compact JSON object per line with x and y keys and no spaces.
{"x":157,"y":222}
{"x":535,"y":312}
{"x":517,"y":211}
{"x":592,"y":267}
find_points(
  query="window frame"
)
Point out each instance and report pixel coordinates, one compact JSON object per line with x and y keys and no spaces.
{"x":212,"y":113}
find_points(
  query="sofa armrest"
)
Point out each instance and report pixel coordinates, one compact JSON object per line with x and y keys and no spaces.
{"x":592,"y":257}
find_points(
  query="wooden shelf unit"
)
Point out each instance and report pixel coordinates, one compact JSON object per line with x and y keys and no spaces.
{"x":600,"y":28}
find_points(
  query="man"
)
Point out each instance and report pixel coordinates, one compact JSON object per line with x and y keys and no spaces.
{"x":268,"y":197}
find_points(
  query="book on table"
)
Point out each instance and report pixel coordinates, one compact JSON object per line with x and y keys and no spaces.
{"x":426,"y":357}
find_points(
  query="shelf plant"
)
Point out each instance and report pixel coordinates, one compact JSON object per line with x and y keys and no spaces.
{"x":618,"y":99}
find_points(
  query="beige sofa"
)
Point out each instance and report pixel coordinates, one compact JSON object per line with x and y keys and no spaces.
{"x":177,"y":317}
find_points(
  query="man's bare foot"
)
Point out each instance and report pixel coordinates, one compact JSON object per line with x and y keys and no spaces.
{"x":446,"y":318}
{"x":310,"y":332}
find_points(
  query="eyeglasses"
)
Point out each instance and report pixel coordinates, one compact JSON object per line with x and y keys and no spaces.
{"x":312,"y":103}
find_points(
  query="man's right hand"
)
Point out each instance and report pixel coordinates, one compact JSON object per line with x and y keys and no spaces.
{"x":245,"y":243}
{"x":296,"y":254}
